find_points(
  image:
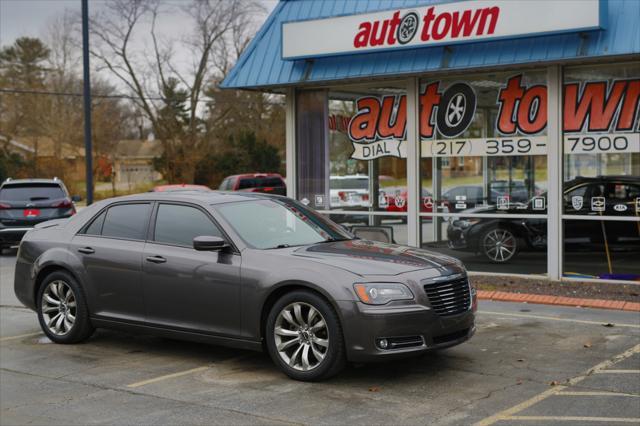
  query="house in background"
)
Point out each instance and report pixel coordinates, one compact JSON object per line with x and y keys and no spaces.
{"x":133,"y":162}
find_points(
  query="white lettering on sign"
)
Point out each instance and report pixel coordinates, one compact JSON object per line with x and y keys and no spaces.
{"x":446,"y":23}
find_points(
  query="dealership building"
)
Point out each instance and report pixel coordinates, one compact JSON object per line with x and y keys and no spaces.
{"x":505,"y":133}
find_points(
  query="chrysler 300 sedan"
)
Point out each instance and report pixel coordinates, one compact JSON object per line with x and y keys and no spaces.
{"x":250,"y":271}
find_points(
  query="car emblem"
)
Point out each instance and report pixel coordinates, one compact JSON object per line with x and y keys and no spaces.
{"x":382,"y":200}
{"x":30,"y":205}
{"x":400,"y":201}
{"x":577,"y":202}
{"x":598,"y":204}
{"x":503,"y":202}
{"x":620,"y":208}
{"x":428,"y":203}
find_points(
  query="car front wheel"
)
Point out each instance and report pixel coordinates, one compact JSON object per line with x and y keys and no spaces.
{"x":499,"y":245}
{"x":62,"y":310}
{"x":304,"y":337}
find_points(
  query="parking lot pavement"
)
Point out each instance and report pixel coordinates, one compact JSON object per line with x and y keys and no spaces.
{"x":503,"y":376}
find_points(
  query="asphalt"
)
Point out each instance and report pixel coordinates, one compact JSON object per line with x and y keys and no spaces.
{"x":527,"y":364}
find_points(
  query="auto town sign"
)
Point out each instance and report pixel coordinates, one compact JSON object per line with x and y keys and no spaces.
{"x":597,"y":118}
{"x":444,"y":23}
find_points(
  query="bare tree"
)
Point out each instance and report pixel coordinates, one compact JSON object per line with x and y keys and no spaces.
{"x":176,"y":116}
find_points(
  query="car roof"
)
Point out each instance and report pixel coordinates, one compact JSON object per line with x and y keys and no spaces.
{"x":611,"y":178}
{"x":181,"y":187}
{"x":210,"y":198}
{"x":35,"y":180}
{"x":242,"y":175}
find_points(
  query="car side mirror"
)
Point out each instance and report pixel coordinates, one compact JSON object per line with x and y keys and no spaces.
{"x":209,"y":243}
{"x":76,"y":198}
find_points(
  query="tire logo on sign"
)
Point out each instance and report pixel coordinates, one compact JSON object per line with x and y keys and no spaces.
{"x":408,"y":28}
{"x":456,"y":110}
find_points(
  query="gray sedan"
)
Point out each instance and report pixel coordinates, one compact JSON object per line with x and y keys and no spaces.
{"x":250,"y":271}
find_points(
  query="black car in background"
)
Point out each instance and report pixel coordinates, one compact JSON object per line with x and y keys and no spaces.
{"x":462,"y":197}
{"x":27,"y":202}
{"x":500,"y":239}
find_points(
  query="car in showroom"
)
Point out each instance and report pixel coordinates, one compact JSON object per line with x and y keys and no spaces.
{"x":26,"y":202}
{"x":270,"y":183}
{"x":245,"y":270}
{"x":500,"y":239}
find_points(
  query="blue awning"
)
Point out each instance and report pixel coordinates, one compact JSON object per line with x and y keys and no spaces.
{"x":261,"y":65}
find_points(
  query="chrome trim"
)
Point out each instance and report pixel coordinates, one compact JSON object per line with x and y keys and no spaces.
{"x":15,"y":229}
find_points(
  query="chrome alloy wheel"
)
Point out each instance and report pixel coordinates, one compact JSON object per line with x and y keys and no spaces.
{"x":499,"y":245}
{"x":301,"y":336}
{"x":58,"y":307}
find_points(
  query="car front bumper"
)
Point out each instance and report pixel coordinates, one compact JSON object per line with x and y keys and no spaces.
{"x":364,"y":326}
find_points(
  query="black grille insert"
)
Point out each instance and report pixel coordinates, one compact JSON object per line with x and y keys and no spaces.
{"x":449,"y":296}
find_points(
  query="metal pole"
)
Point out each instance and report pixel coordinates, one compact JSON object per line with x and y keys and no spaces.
{"x":88,"y":152}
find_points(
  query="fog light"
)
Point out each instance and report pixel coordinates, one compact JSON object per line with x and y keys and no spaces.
{"x":383,"y":343}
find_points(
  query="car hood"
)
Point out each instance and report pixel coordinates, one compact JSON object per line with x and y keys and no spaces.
{"x":364,"y":257}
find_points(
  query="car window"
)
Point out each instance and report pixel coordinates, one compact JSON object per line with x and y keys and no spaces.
{"x":177,"y":224}
{"x":259,"y":182}
{"x":224,"y":185}
{"x":127,"y":221}
{"x":95,"y":228}
{"x":32,"y":192}
{"x":282,"y":223}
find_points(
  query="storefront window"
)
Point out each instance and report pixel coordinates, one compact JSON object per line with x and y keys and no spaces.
{"x":601,"y":176}
{"x":483,"y":143}
{"x":358,"y":162}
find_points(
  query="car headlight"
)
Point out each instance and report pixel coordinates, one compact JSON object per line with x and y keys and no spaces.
{"x":465,"y":223}
{"x":382,"y":293}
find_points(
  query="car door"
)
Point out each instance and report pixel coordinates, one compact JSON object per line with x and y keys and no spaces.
{"x":110,"y":250}
{"x":185,"y":288}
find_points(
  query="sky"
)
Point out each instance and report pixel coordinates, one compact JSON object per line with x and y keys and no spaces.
{"x":31,"y":17}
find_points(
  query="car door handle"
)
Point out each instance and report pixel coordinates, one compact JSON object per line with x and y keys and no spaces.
{"x":156,"y":259}
{"x":86,"y":250}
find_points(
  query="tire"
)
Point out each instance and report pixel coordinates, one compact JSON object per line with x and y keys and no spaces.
{"x":322,"y":361}
{"x":462,"y":98}
{"x":72,"y":324}
{"x":499,"y":253}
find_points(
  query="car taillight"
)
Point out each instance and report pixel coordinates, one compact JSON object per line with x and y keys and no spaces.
{"x":267,"y":189}
{"x":4,"y":206}
{"x":64,"y":204}
{"x":342,"y":195}
{"x":365,"y":197}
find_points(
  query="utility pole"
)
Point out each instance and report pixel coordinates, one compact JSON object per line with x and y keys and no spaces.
{"x":88,"y":151}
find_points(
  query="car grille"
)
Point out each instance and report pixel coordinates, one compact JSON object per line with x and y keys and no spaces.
{"x":449,"y":297}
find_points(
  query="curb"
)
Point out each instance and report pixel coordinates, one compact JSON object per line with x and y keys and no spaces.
{"x":504,"y":296}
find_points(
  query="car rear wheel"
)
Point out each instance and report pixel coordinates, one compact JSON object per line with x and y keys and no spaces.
{"x":499,"y":245}
{"x":62,"y":309}
{"x":304,"y":337}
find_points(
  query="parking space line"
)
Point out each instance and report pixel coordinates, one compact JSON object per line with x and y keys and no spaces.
{"x":578,"y":419}
{"x":618,"y":371}
{"x":543,"y":317}
{"x":167,"y":376}
{"x":509,"y":413}
{"x":4,"y":339}
{"x":591,"y":393}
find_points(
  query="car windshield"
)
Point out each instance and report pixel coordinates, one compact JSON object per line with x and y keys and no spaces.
{"x":269,"y":224}
{"x":350,"y":183}
{"x":31,"y":192}
{"x":258,"y":182}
